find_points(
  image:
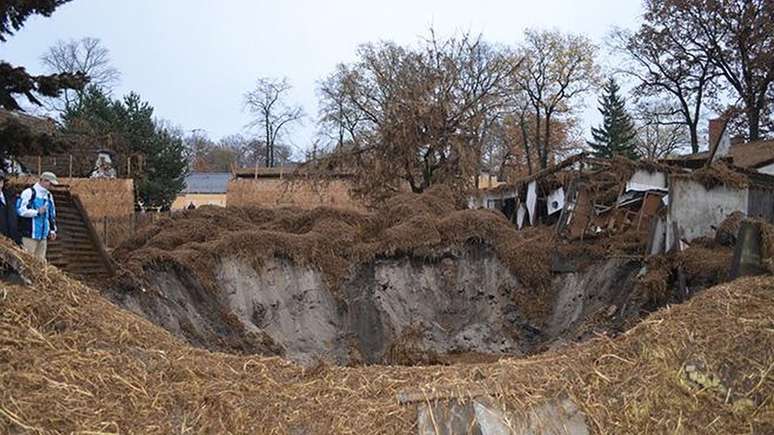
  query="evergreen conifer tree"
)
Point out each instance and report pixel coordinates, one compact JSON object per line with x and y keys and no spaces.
{"x":129,"y":123}
{"x":16,"y":137}
{"x":616,"y":136}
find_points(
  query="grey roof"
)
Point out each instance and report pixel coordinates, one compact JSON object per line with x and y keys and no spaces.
{"x":207,"y":182}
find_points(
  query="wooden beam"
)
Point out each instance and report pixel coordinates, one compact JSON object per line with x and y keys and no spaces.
{"x":110,"y":267}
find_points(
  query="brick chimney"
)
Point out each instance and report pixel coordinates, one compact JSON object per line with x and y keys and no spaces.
{"x":715,"y":129}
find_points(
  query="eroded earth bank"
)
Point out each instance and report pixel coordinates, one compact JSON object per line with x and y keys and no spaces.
{"x":417,"y":282}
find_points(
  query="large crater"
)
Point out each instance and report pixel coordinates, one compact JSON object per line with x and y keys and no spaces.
{"x":457,"y":305}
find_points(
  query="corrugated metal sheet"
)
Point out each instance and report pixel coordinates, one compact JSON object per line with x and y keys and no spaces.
{"x":207,"y":182}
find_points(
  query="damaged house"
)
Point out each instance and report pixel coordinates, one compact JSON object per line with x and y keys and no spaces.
{"x":663,"y":204}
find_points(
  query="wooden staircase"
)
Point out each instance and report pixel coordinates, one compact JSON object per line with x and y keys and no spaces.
{"x":77,"y":249}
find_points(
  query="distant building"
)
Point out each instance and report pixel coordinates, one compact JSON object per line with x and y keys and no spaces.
{"x":286,"y":187}
{"x":203,"y":188}
{"x":487,"y":180}
{"x":757,"y":156}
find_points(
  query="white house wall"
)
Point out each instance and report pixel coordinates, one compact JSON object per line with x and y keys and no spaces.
{"x":696,"y":209}
{"x":643,"y":180}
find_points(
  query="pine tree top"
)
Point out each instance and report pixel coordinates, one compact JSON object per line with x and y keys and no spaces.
{"x":616,"y":135}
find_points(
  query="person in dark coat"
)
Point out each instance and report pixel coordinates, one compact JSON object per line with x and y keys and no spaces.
{"x":9,"y":222}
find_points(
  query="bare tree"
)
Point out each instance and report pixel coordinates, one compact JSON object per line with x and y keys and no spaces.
{"x":339,"y":118}
{"x":556,"y":70}
{"x":251,"y":151}
{"x":241,"y":147}
{"x":657,"y":136}
{"x":663,"y":65}
{"x":198,"y":146}
{"x":736,"y":36}
{"x":86,"y":55}
{"x":273,"y":114}
{"x":415,"y":116}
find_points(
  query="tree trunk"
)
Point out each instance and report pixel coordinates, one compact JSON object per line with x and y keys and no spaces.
{"x":272,"y":153}
{"x":544,"y":161}
{"x":538,"y":143}
{"x":525,"y":139}
{"x":753,"y":121}
{"x":341,"y":126}
{"x":692,"y":127}
{"x":268,"y":142}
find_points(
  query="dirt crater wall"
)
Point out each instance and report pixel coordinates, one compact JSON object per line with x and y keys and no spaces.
{"x":394,"y":310}
{"x":458,"y":302}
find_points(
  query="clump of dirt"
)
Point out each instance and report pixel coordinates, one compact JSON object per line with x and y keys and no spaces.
{"x":408,"y":349}
{"x":703,"y":264}
{"x":592,"y":249}
{"x":70,"y":361}
{"x":729,"y":228}
{"x":624,"y":168}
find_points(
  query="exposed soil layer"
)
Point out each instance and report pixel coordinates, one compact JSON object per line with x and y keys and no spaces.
{"x":462,"y":305}
{"x":396,"y":310}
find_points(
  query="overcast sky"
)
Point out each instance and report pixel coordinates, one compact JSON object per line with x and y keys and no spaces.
{"x":195,"y":59}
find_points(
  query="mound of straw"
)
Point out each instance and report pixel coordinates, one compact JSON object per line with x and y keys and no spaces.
{"x":720,"y":174}
{"x":332,"y":240}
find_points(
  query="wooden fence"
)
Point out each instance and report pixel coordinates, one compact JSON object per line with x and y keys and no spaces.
{"x":115,"y":230}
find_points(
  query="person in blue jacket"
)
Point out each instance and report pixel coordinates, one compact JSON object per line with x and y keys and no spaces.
{"x":37,"y":215}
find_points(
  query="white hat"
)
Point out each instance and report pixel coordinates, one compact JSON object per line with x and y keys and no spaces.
{"x":50,"y":176}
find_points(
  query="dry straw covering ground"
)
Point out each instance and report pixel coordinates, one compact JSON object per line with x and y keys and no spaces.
{"x":70,"y":361}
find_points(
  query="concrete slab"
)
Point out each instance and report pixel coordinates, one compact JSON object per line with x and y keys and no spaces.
{"x":483,"y":416}
{"x":747,"y":252}
{"x":450,"y":417}
{"x":557,"y":417}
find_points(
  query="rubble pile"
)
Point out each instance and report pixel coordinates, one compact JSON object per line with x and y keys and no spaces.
{"x":662,"y":205}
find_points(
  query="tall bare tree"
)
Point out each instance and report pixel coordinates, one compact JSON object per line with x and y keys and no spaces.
{"x":198,"y":146}
{"x":520,"y":157}
{"x":86,"y":55}
{"x":556,"y":70}
{"x":339,"y":117}
{"x":663,"y":64}
{"x":657,"y":135}
{"x":736,"y":36}
{"x":240,"y":147}
{"x":415,"y":116}
{"x":273,"y":115}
